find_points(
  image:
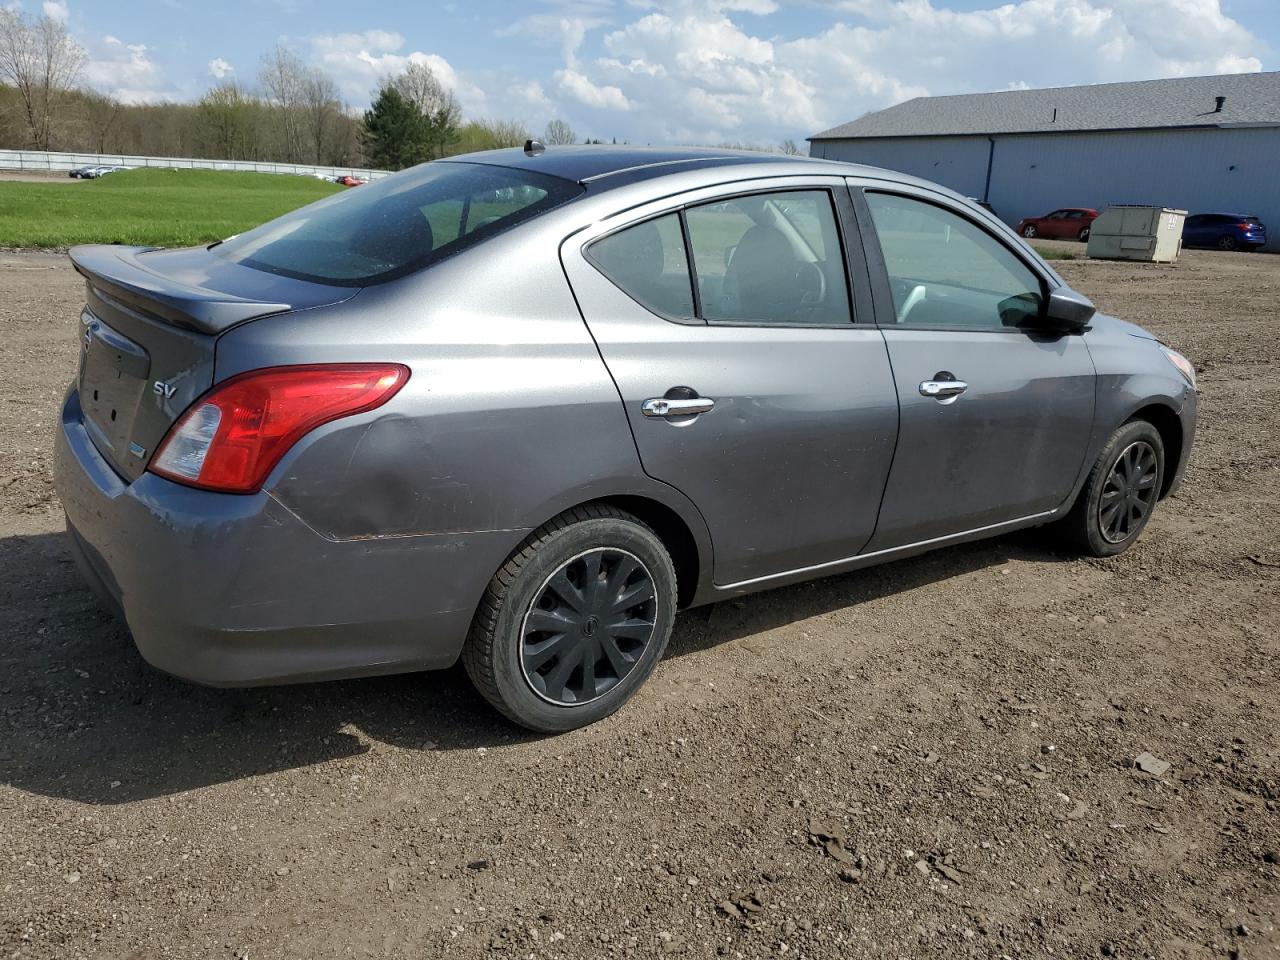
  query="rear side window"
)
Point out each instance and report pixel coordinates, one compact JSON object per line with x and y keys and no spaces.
{"x":648,"y":263}
{"x":396,"y":225}
{"x":770,"y":258}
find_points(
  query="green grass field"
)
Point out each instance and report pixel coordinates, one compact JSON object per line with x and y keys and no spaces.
{"x":163,"y":208}
{"x":1052,"y":253}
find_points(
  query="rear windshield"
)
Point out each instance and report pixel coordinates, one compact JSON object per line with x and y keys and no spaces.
{"x":396,"y":225}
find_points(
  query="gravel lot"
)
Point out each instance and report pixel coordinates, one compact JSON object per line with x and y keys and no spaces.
{"x":929,"y":759}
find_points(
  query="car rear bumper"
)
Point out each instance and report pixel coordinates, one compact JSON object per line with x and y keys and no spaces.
{"x":237,"y":591}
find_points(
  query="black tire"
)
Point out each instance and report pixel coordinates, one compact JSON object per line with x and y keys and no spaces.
{"x":503,"y":640}
{"x":1029,"y":230}
{"x":1227,"y":242}
{"x":1084,"y":235}
{"x":1105,"y":535}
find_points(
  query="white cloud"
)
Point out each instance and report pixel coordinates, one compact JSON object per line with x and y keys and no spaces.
{"x":714,"y":71}
{"x":56,"y":10}
{"x":219,"y":69}
{"x":358,"y":62}
{"x":126,"y":71}
{"x":701,"y":71}
{"x":577,"y":86}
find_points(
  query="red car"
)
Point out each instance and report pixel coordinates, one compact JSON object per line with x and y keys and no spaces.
{"x":350,"y":181}
{"x":1069,"y":223}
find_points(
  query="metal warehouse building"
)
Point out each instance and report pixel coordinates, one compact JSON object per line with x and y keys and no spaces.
{"x":1204,"y":144}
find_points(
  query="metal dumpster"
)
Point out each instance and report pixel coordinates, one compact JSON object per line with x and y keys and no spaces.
{"x":1136,"y":232}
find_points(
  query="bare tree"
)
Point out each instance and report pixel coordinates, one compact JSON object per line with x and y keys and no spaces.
{"x":420,"y":86}
{"x":506,"y":133}
{"x":559,"y":132}
{"x":227,"y":114}
{"x":100,"y":112}
{"x":284,"y":80}
{"x":322,"y":110}
{"x":789,"y":148}
{"x":44,"y":64}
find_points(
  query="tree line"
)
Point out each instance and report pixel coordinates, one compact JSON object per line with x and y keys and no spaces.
{"x":293,"y":113}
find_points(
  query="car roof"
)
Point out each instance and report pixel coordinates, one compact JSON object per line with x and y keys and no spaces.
{"x":605,"y":166}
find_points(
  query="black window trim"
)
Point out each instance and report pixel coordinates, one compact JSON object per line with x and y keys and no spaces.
{"x":885,"y":310}
{"x":853,"y":258}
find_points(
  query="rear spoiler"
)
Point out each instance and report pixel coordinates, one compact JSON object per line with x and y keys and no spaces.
{"x":114,"y":270}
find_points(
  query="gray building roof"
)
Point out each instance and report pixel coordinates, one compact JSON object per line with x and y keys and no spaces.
{"x":1251,"y":99}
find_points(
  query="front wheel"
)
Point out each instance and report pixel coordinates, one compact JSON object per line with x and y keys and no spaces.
{"x":1029,"y":230}
{"x":575,"y":621}
{"x":1120,"y":493}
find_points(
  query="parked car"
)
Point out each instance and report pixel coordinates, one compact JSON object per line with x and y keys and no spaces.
{"x":349,"y":181}
{"x":94,"y":172}
{"x":1226,"y":231}
{"x":519,"y":409}
{"x":1069,"y":223}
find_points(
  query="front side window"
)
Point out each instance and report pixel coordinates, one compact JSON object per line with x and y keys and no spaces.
{"x":945,"y":271}
{"x":770,"y":258}
{"x":648,"y":263}
{"x":398,"y":224}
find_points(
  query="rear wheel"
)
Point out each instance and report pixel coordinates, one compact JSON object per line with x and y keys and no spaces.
{"x":1029,"y":230}
{"x":1120,"y":493}
{"x":1227,"y":242}
{"x":1084,"y":235}
{"x":576,"y":620}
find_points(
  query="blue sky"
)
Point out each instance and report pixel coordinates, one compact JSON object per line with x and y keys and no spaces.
{"x":672,"y":71}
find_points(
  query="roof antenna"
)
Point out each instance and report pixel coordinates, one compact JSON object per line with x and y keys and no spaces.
{"x":534,"y":148}
{"x":1217,"y":104}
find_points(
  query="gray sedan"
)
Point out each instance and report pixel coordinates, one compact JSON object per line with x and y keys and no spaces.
{"x":520,"y":407}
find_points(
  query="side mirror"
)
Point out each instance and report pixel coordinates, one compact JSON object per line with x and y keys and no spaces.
{"x":1067,"y":311}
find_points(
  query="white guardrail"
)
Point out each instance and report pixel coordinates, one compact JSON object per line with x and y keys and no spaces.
{"x":39,"y":160}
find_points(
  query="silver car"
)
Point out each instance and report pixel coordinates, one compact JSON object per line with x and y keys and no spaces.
{"x":520,"y":407}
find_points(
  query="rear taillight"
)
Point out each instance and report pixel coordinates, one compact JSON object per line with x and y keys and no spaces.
{"x":230,"y":439}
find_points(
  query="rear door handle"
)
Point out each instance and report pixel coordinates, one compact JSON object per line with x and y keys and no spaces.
{"x":663,"y":407}
{"x":941,"y":389}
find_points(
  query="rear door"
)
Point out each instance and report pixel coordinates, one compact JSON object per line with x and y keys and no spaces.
{"x":737,"y":324}
{"x":995,"y":416}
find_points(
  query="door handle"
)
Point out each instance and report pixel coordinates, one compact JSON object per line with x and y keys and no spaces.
{"x":679,"y":407}
{"x":942,"y":389}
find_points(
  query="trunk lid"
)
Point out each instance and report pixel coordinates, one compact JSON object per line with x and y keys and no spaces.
{"x":148,"y":333}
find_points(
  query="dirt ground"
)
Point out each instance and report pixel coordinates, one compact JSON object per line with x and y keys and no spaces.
{"x":39,"y":176}
{"x":929,"y":759}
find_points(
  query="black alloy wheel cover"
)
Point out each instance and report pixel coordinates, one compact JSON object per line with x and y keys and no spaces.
{"x":1129,"y":492}
{"x":588,"y":626}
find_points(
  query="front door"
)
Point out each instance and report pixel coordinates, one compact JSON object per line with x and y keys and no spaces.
{"x":1055,"y":225}
{"x":996,"y":416}
{"x":753,"y":377}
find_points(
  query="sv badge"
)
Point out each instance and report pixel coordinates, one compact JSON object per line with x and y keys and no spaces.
{"x":162,"y":389}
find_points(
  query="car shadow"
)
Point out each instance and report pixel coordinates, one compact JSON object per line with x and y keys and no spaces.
{"x":83,"y":717}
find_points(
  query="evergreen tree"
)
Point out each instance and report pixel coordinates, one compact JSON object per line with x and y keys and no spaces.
{"x":396,"y":133}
